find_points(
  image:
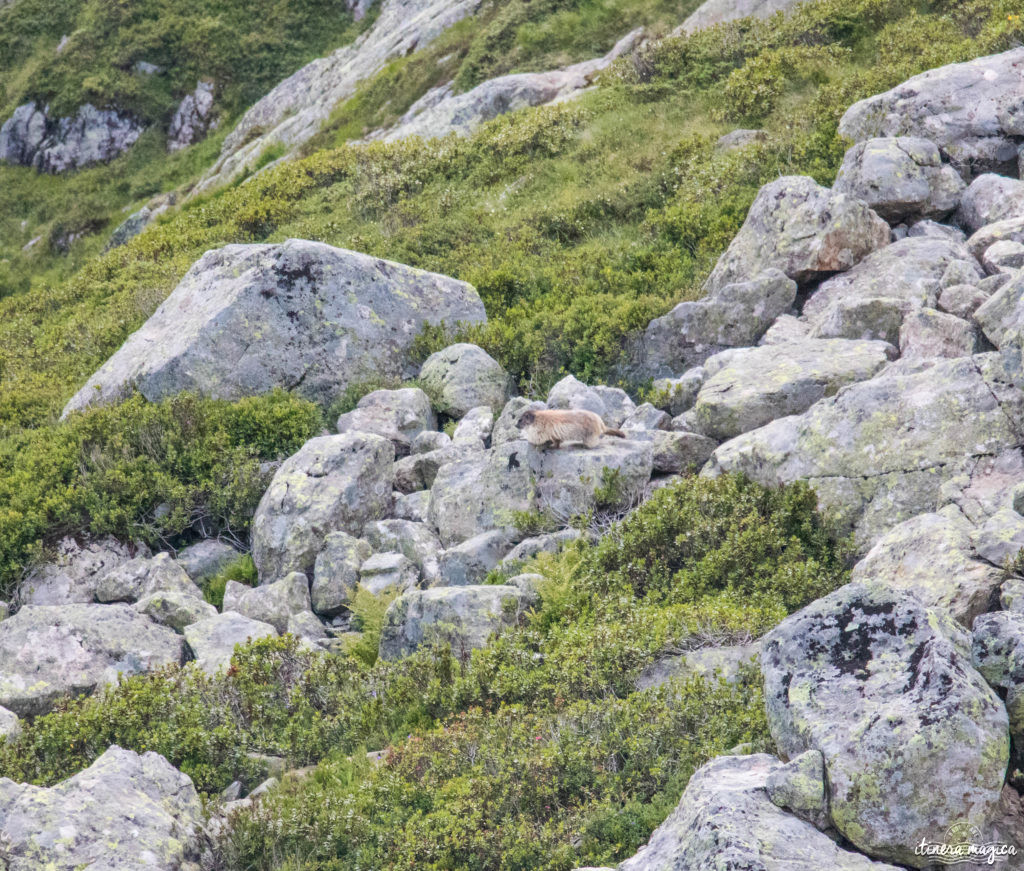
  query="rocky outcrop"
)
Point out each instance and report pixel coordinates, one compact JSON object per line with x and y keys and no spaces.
{"x":971,"y":111}
{"x":463,"y":377}
{"x":440,"y":111}
{"x":213,"y":640}
{"x":806,"y":231}
{"x":192,"y":119}
{"x":294,"y":110}
{"x":48,"y":652}
{"x":726,"y":819}
{"x":270,"y":603}
{"x":300,"y":315}
{"x":126,"y":810}
{"x":76,"y":571}
{"x":884,"y":688}
{"x":30,"y":138}
{"x":333,"y":483}
{"x":144,"y":576}
{"x":713,"y":12}
{"x":464,"y":617}
{"x":398,"y":415}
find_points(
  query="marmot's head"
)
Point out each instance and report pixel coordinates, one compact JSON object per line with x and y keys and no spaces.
{"x":528,"y":418}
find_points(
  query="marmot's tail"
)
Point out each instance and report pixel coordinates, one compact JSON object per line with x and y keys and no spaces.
{"x":618,"y":433}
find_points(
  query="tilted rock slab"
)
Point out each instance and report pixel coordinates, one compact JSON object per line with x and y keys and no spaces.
{"x":51,"y":651}
{"x":333,"y":483}
{"x":713,"y":12}
{"x":885,"y":689}
{"x":299,"y":315}
{"x":802,"y":228}
{"x":125,"y":811}
{"x":971,"y":111}
{"x":880,"y":451}
{"x":294,"y":110}
{"x":725,"y":820}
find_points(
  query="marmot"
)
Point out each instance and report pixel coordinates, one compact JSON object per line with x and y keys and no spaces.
{"x":554,"y":427}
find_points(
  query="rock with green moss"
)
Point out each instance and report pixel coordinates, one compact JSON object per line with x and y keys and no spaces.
{"x":336,"y":572}
{"x":416,"y":540}
{"x":464,"y":617}
{"x":749,"y":387}
{"x":298,"y":315}
{"x":332,"y":483}
{"x":799,"y":787}
{"x":48,"y":652}
{"x":902,"y":178}
{"x":885,"y":450}
{"x":803,"y":229}
{"x":126,"y":810}
{"x":144,"y":576}
{"x":932,"y":556}
{"x":398,"y":415}
{"x":726,"y":820}
{"x":213,"y":640}
{"x":174,"y":609}
{"x":884,"y":688}
{"x":997,"y":648}
{"x":462,"y":377}
{"x":270,"y":603}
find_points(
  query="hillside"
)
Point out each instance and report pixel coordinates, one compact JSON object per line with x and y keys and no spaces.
{"x":765,"y":620}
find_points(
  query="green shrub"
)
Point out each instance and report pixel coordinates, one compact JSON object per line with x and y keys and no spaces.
{"x":241,"y":570}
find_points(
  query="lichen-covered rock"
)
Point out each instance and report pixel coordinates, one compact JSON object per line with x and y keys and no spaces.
{"x":398,"y":415}
{"x":418,"y":471}
{"x":931,"y":556}
{"x":481,"y":491}
{"x":1000,"y":538}
{"x":336,"y":572}
{"x":213,"y":640}
{"x":462,"y":377}
{"x":51,"y":651}
{"x":803,"y":229}
{"x":206,"y":558}
{"x":929,"y":333}
{"x":1009,"y":229}
{"x":880,"y":451}
{"x":475,"y":427}
{"x":332,"y":483}
{"x":91,"y":135}
{"x":901,"y":178}
{"x":867,"y":318}
{"x":463,"y":616}
{"x":505,"y":429}
{"x":990,"y":198}
{"x":799,"y":787}
{"x":412,"y":506}
{"x":125,"y":811}
{"x":549,"y":542}
{"x":646,"y":418}
{"x":388,"y":571}
{"x":739,"y":138}
{"x":713,"y":12}
{"x":679,"y":394}
{"x":1005,"y":256}
{"x":142,"y":576}
{"x":733,"y":315}
{"x":10,"y":725}
{"x":997,"y":648}
{"x":570,"y":392}
{"x":962,"y":300}
{"x":136,"y":222}
{"x":307,"y":626}
{"x":75,"y":571}
{"x":416,"y":541}
{"x":789,"y":328}
{"x":1001,"y":316}
{"x":192,"y":119}
{"x":911,"y":270}
{"x":966,"y":109}
{"x":677,"y":452}
{"x":884,"y":688}
{"x":749,"y":387}
{"x":174,"y":608}
{"x":299,"y":315}
{"x":469,"y":561}
{"x":271,"y":603}
{"x":429,"y":441}
{"x":725,"y":820}
{"x":617,"y":404}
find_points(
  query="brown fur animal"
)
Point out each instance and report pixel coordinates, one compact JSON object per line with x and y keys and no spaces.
{"x":552,"y":427}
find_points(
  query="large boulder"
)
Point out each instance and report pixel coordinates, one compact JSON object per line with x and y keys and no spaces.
{"x":725,"y":820}
{"x":802,"y":228}
{"x":333,"y":483}
{"x":271,"y":603}
{"x":299,"y":315}
{"x":398,"y":415}
{"x":750,"y":387}
{"x":932,"y":556}
{"x":1001,"y":316}
{"x":901,"y":178}
{"x":213,"y":640}
{"x":75,"y":571}
{"x":143,"y":576}
{"x":871,"y":317}
{"x":465,"y":617}
{"x":926,"y":332}
{"x":884,"y":688}
{"x":192,"y":118}
{"x":880,"y":451}
{"x":734,"y":315}
{"x":969,"y":110}
{"x":51,"y":651}
{"x":988,"y":199}
{"x":416,"y":541}
{"x":91,"y":135}
{"x":713,"y":12}
{"x":911,"y":270}
{"x":125,"y":811}
{"x":470,"y":561}
{"x":463,"y":377}
{"x":206,"y":558}
{"x":336,"y":572}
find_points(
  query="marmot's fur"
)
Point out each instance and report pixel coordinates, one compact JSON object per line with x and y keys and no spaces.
{"x":552,"y":427}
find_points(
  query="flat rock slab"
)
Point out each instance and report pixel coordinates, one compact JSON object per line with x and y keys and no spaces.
{"x":50,"y":651}
{"x":125,"y":811}
{"x":299,"y":315}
